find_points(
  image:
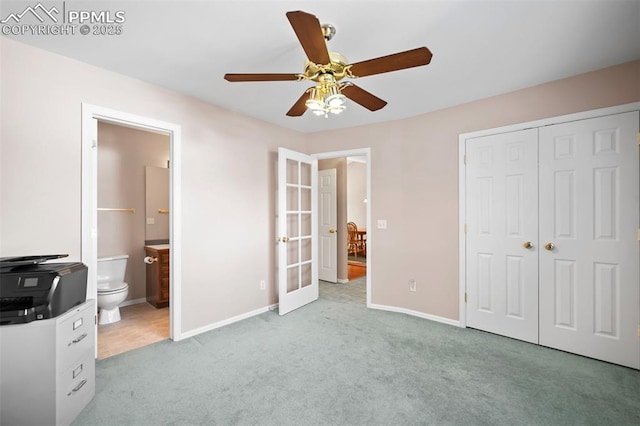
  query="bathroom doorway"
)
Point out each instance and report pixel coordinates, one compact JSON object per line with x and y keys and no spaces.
{"x":133,"y":224}
{"x":95,"y":120}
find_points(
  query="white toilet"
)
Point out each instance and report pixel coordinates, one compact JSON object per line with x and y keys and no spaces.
{"x":112,"y":290}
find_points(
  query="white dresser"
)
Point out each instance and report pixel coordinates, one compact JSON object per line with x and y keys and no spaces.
{"x":47,"y":368}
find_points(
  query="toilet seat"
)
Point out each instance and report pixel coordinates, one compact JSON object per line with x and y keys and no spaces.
{"x":112,"y":287}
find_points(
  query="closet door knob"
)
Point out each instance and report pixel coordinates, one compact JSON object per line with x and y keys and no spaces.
{"x":549,"y":246}
{"x":527,"y":245}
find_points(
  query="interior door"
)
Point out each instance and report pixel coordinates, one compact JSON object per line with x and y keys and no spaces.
{"x":502,"y":234}
{"x":589,"y":277}
{"x":328,"y":225}
{"x":297,"y":224}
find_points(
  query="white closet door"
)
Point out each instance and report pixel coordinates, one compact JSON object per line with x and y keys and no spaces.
{"x":501,"y":217}
{"x":589,"y":280}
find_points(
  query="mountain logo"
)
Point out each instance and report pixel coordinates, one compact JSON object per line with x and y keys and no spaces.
{"x":38,"y":11}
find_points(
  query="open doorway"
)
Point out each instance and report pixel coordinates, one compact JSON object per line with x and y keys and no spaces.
{"x":133,"y":236}
{"x":93,"y":117}
{"x":352,"y":210}
{"x":356,"y":217}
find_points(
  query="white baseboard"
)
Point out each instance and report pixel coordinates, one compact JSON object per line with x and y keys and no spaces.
{"x":132,"y":302}
{"x":342,"y":281}
{"x":228,"y":321}
{"x":435,"y":318}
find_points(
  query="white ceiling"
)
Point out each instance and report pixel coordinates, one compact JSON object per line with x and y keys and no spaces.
{"x":480,"y":49}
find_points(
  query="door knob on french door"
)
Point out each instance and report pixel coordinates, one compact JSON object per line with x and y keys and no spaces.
{"x":549,"y":246}
{"x":285,"y":239}
{"x":332,"y":231}
{"x":528,"y":245}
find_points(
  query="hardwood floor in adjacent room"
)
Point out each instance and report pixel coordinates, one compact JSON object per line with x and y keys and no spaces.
{"x":356,"y":270}
{"x":141,"y":325}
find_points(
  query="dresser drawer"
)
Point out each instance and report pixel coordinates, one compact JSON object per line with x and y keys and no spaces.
{"x":75,"y":388}
{"x":75,"y":336}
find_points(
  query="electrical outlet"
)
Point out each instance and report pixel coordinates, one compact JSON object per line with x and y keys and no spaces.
{"x":382,"y":224}
{"x":263,"y":285}
{"x":412,"y":285}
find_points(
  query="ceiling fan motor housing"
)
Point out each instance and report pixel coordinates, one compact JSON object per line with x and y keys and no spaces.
{"x":338,"y":67}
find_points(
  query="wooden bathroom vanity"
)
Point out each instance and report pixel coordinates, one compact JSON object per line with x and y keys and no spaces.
{"x":158,"y":275}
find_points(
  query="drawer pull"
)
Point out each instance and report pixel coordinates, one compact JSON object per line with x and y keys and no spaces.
{"x":77,"y":339}
{"x":77,"y":371}
{"x":77,"y":388}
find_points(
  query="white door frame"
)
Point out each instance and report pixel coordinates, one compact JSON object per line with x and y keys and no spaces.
{"x":89,"y":229}
{"x":364,"y":152}
{"x":462,"y":139}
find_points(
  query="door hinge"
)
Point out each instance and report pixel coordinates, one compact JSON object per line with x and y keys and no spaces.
{"x":465,"y":228}
{"x":94,"y":143}
{"x":464,"y":158}
{"x":638,"y":330}
{"x":638,"y":234}
{"x":465,"y":297}
{"x":638,"y":138}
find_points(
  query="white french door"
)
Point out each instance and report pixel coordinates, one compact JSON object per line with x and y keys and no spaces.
{"x":297,"y":228}
{"x":589,"y":273}
{"x":552,"y":251}
{"x":328,"y":225}
{"x":502,"y":234}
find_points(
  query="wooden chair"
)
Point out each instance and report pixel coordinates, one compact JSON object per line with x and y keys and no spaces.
{"x":355,"y":245}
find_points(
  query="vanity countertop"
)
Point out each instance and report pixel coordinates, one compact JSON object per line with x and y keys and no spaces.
{"x":158,"y":247}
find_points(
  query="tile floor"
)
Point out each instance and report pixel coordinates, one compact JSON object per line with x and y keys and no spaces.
{"x":141,"y":325}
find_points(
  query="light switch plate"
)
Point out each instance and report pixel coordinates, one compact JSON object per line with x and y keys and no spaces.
{"x":151,"y":221}
{"x":382,"y":224}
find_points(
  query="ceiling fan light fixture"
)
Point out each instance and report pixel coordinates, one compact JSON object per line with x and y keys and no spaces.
{"x":335,"y":101}
{"x":337,"y":109}
{"x":326,"y":98}
{"x":315,"y":101}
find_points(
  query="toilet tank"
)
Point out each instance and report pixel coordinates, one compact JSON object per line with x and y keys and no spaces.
{"x":112,"y":268}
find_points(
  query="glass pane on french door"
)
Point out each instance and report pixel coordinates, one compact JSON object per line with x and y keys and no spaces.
{"x":299,"y":225}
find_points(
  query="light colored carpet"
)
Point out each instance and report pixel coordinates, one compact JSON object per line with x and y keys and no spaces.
{"x":335,"y":362}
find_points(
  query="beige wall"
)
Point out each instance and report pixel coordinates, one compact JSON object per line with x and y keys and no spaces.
{"x":123,"y":154}
{"x":356,"y":193}
{"x":340,"y":164}
{"x":415,"y":179}
{"x":228,"y":177}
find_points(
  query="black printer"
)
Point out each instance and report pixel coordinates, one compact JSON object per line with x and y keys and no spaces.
{"x":32,"y":290}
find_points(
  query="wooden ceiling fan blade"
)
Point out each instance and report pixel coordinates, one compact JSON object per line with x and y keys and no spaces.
{"x":309,"y":33}
{"x":364,"y":98}
{"x":397,"y":61}
{"x":299,"y":107}
{"x":260,"y":77}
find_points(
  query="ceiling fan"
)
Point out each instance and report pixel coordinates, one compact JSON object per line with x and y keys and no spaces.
{"x":327,"y":69}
